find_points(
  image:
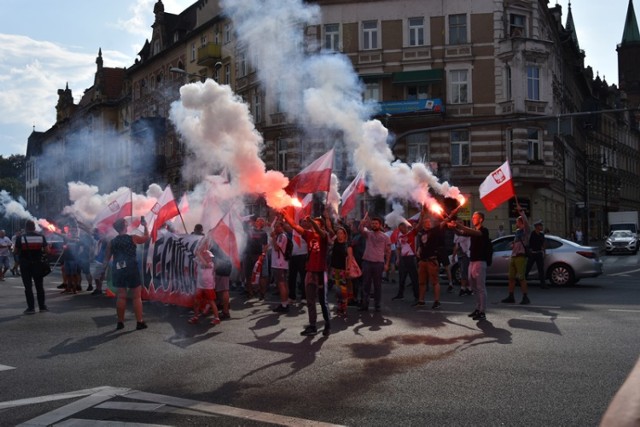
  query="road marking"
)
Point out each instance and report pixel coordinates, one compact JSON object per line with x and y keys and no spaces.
{"x":6,"y":368}
{"x":624,"y":273}
{"x":624,"y":310}
{"x":98,"y":397}
{"x":540,"y":316}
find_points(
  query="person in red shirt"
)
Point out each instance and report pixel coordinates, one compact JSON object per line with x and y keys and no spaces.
{"x":314,"y":281}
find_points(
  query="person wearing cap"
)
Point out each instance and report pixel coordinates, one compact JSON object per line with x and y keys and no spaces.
{"x":518,"y":261}
{"x":124,"y":270}
{"x":537,"y":251}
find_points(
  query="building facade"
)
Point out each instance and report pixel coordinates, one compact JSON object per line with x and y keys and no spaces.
{"x":462,"y":88}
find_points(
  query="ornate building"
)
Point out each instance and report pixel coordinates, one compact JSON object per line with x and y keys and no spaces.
{"x":462,"y":90}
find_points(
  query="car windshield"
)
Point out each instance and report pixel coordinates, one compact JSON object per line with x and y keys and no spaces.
{"x":621,"y":233}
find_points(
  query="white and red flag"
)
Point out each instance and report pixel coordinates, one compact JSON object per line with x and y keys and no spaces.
{"x":497,"y":188}
{"x":165,"y":209}
{"x":121,"y":207}
{"x":313,"y":178}
{"x":306,"y":207}
{"x":349,"y":196}
{"x":224,"y":235}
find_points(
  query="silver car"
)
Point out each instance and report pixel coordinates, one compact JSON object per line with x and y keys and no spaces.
{"x":565,"y":262}
{"x":621,"y":241}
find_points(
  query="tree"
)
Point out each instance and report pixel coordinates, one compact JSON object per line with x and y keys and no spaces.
{"x":12,"y":174}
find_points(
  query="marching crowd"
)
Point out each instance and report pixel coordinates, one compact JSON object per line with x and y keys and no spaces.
{"x":304,"y":259}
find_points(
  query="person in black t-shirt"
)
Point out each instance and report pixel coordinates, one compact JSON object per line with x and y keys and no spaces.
{"x":478,"y":250}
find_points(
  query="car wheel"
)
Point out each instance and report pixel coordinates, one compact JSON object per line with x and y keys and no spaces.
{"x":561,"y":275}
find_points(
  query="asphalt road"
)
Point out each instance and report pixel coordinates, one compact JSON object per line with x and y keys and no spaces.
{"x":556,"y":362}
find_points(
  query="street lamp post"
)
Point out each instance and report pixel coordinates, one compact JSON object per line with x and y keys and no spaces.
{"x":185,"y":73}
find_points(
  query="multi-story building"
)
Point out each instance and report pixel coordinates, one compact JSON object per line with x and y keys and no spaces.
{"x":463,"y":89}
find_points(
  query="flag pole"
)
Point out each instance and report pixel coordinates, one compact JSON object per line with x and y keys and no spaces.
{"x":182,"y":219}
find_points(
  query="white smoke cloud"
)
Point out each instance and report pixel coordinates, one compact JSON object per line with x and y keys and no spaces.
{"x":323,"y":92}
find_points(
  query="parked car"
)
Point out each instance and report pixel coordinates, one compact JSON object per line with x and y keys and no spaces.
{"x":565,"y":262}
{"x":621,"y":241}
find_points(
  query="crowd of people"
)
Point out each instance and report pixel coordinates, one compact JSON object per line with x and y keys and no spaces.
{"x":302,"y":259}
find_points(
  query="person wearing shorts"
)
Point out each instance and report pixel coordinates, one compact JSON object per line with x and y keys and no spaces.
{"x":125,"y":273}
{"x":205,"y":288}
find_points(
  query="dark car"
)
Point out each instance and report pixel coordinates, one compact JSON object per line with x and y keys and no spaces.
{"x":565,"y":262}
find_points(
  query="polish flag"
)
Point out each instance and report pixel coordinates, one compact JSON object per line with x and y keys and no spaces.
{"x":497,"y":188}
{"x":306,"y":207}
{"x":349,"y":196}
{"x":224,"y":235}
{"x":164,"y":209}
{"x":184,"y":204}
{"x":313,"y":178}
{"x":121,"y":207}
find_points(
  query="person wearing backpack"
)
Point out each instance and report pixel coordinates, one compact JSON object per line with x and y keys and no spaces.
{"x":479,"y":249}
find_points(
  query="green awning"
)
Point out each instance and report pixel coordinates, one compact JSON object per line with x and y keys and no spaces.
{"x":369,"y":78}
{"x":422,"y":76}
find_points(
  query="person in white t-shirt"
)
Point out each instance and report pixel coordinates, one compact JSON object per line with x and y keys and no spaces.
{"x":280,"y":265}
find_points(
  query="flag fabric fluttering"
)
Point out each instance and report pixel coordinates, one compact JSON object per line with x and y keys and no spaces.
{"x":165,"y":209}
{"x":224,"y":235}
{"x":497,"y":188}
{"x":306,"y":208}
{"x":121,"y":207}
{"x":349,"y":196}
{"x":315,"y":177}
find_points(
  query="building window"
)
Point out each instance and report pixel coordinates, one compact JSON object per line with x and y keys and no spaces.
{"x":416,"y":31}
{"x":459,"y":147}
{"x":418,"y":148}
{"x":203,"y":40}
{"x":369,"y":35}
{"x":534,"y":145}
{"x":533,"y":83}
{"x":156,"y":47}
{"x":193,"y":51}
{"x":257,"y":107}
{"x":457,"y":29}
{"x":459,"y":87}
{"x":332,"y":37}
{"x":283,"y":155}
{"x":517,"y":25}
{"x":509,"y":138}
{"x":227,"y":33}
{"x":508,"y":92}
{"x":242,"y":64}
{"x":415,"y":92}
{"x":372,"y":92}
{"x":227,"y":74}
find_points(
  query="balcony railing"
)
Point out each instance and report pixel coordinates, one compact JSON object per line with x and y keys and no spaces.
{"x":209,"y":54}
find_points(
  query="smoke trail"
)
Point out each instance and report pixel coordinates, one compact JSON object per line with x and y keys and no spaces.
{"x":9,"y":207}
{"x":217,"y":127}
{"x":323,"y":91}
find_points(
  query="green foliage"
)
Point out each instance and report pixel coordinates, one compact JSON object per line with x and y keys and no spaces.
{"x":12,"y":174}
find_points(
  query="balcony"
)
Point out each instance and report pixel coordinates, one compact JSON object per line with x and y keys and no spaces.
{"x":209,"y":54}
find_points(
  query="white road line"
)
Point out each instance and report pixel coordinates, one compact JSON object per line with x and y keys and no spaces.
{"x":98,"y":397}
{"x":77,"y":422}
{"x":624,"y":273}
{"x":51,"y":397}
{"x":624,"y":310}
{"x":6,"y":368}
{"x":540,"y":316}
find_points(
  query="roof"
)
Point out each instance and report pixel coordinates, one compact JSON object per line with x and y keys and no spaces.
{"x":630,"y":33}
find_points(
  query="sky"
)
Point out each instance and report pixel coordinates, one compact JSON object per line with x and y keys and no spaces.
{"x":48,"y":44}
